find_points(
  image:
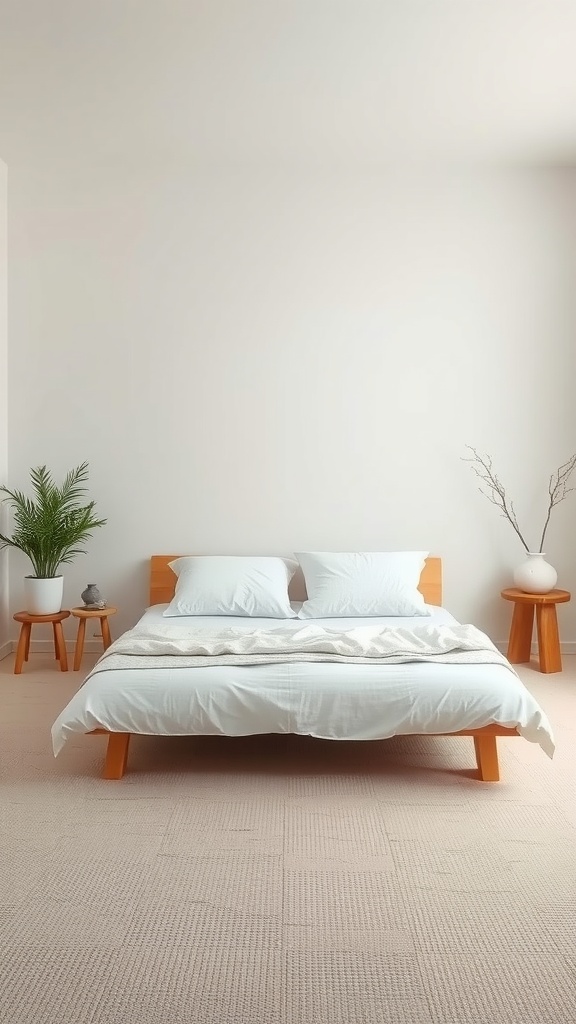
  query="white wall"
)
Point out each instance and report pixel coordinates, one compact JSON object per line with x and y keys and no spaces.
{"x":258,"y":361}
{"x":4,"y":600}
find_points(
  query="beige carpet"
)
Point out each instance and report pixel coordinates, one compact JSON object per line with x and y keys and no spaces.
{"x":280,"y":879}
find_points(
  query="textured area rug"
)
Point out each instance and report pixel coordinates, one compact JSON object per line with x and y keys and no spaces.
{"x":284,"y":880}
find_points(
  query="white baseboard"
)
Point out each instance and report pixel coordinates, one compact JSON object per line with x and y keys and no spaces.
{"x":47,"y":647}
{"x":6,"y":649}
{"x":566,"y":646}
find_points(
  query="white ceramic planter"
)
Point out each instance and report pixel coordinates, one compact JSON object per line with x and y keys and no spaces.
{"x":535,"y":575}
{"x":43,"y":596}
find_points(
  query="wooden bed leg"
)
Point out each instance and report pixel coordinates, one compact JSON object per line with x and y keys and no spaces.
{"x":116,"y":755}
{"x":487,"y":758}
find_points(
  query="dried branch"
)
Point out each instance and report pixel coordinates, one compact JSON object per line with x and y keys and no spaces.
{"x":481,"y":465}
{"x":558,"y":490}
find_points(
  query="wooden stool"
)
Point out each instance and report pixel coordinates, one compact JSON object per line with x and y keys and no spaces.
{"x":23,"y":649}
{"x":520,"y":640}
{"x":83,"y":614}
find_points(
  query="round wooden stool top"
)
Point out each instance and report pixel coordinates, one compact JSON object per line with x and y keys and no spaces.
{"x":93,"y":613}
{"x":552,"y":597}
{"x":27,"y":617}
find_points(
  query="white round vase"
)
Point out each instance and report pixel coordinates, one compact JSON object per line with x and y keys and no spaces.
{"x":43,"y":596}
{"x":535,"y":575}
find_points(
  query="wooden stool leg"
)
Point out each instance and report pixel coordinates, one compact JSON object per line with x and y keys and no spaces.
{"x":487,"y":758}
{"x":520,"y":634}
{"x":60,"y":646}
{"x":105,"y":628}
{"x":116,"y":755}
{"x":79,"y":644}
{"x":548,"y":639}
{"x":56,"y":642}
{"x":57,"y":654}
{"x":23,"y":646}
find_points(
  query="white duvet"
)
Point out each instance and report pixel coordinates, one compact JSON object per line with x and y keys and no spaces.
{"x":144,"y":685}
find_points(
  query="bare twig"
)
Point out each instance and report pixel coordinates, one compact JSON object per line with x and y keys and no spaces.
{"x":481,"y":465}
{"x":558,"y":490}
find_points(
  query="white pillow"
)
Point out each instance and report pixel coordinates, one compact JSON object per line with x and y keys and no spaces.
{"x":232,"y":585}
{"x":362,"y":583}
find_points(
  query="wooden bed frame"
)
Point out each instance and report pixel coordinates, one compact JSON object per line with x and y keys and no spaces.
{"x":162,"y":585}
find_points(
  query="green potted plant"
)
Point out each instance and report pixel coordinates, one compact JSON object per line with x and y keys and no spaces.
{"x":49,"y":528}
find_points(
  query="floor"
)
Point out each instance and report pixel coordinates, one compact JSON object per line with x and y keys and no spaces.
{"x":282,"y":880}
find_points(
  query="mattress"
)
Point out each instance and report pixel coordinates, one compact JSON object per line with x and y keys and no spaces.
{"x":325,"y":700}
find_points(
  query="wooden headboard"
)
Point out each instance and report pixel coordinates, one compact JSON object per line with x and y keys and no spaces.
{"x":163,"y":580}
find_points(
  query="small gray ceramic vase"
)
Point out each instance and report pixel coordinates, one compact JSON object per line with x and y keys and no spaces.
{"x":92,"y":597}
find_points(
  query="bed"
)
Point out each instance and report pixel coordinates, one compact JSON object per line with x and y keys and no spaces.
{"x":161,"y":696}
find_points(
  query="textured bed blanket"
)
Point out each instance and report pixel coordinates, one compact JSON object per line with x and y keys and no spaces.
{"x":451,"y":645}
